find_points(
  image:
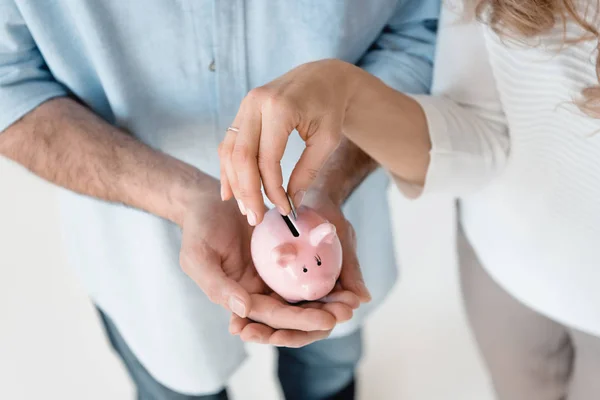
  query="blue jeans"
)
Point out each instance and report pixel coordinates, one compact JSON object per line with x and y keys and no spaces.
{"x":320,"y":371}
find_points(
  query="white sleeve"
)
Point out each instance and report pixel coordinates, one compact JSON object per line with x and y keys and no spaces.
{"x":466,"y":122}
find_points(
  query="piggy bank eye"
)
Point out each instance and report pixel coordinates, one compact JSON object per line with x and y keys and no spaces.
{"x":318,"y":259}
{"x":305,"y":270}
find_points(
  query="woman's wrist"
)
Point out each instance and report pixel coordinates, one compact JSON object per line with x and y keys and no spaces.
{"x":389,"y":126}
{"x":362,"y":91}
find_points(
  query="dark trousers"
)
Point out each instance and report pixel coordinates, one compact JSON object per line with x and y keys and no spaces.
{"x":320,"y":371}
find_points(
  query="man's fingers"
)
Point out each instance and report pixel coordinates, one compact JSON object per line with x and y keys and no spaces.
{"x":237,"y":324}
{"x":203,"y":265}
{"x":296,"y":339}
{"x":352,"y":280}
{"x":343,"y":296}
{"x":244,"y":161}
{"x":279,"y":315}
{"x":342,"y":312}
{"x":351,"y":276}
{"x":319,"y":147}
{"x":256,"y":332}
{"x":260,"y":333}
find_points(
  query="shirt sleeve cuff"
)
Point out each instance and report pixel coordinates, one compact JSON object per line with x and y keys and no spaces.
{"x":21,"y":100}
{"x":444,"y":161}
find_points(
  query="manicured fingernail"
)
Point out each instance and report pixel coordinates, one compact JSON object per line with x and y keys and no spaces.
{"x":281,"y":210}
{"x":242,"y":207}
{"x":237,"y":306}
{"x":222,"y":193}
{"x":254,"y":339}
{"x":298,"y":197}
{"x":251,"y":218}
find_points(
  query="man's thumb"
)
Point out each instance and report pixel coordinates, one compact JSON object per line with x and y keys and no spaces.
{"x":204,"y":267}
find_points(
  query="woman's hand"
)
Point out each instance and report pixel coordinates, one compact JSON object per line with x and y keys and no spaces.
{"x":312,"y":99}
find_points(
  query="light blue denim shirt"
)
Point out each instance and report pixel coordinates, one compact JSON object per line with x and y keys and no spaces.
{"x":173,"y":73}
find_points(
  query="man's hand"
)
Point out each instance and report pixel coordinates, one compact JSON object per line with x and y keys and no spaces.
{"x":66,"y":144}
{"x":215,"y":253}
{"x":351,"y":278}
{"x":350,"y":290}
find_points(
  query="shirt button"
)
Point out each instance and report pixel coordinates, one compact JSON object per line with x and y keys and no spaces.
{"x":212,"y":66}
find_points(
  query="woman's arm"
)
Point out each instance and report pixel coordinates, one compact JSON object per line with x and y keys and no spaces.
{"x":391,"y":127}
{"x":454,"y":141}
{"x":401,"y":56}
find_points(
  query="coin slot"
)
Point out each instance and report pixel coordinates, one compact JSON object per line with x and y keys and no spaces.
{"x":290,"y":225}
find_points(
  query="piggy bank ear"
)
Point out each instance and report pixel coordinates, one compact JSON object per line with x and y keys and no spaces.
{"x":284,"y":254}
{"x":324,"y":233}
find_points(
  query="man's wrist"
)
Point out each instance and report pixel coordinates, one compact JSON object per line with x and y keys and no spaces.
{"x":191,"y":188}
{"x":348,"y":167}
{"x":328,"y":192}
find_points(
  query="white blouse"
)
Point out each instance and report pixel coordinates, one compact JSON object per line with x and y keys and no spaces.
{"x":525,"y":161}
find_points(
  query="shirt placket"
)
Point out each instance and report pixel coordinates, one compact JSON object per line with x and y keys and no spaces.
{"x":229,"y":59}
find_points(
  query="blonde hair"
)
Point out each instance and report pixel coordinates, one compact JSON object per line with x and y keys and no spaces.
{"x":532,"y":18}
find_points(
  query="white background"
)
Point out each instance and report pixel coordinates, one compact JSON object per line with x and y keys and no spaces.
{"x":418,"y":346}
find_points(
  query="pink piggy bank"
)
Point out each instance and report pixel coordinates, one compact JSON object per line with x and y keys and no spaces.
{"x":299,"y":268}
